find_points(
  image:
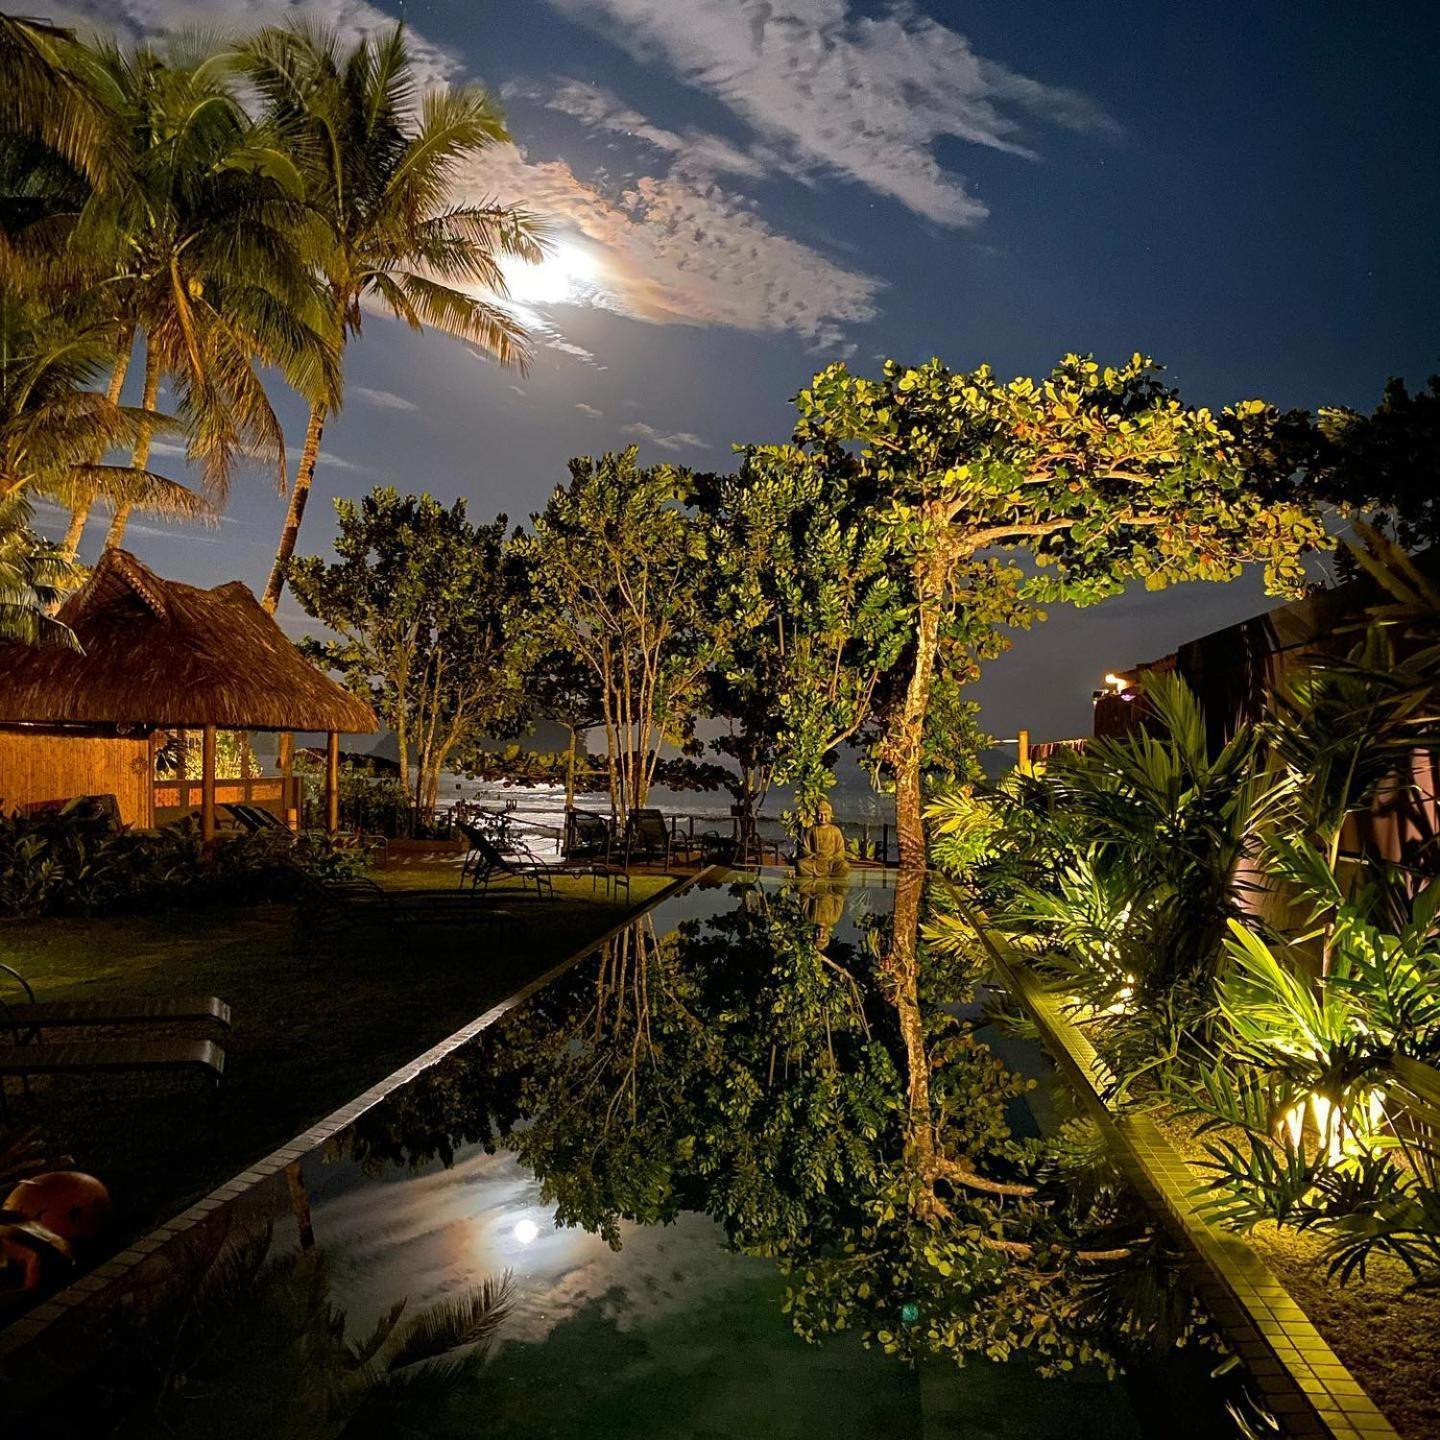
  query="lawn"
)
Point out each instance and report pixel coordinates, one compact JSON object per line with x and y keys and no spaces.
{"x":311,"y":1029}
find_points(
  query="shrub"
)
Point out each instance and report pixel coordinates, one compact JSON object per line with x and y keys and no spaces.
{"x":79,"y":862}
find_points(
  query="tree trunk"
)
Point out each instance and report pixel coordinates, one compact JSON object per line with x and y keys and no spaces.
{"x":80,"y":511}
{"x":906,"y":754}
{"x":299,"y":495}
{"x":140,"y":460}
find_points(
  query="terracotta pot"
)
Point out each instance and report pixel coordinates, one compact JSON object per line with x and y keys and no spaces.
{"x":68,"y":1203}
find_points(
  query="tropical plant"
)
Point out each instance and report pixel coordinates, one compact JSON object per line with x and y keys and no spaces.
{"x":615,"y":567}
{"x":429,"y":618}
{"x":33,"y":575}
{"x":205,"y":248}
{"x":1333,"y":1089}
{"x":382,"y":169}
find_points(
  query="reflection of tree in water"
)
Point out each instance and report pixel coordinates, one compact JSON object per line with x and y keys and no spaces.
{"x":830,"y":1110}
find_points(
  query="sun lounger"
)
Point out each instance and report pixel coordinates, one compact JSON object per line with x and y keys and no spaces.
{"x":485,"y":860}
{"x":108,"y":1057}
{"x":63,"y":1014}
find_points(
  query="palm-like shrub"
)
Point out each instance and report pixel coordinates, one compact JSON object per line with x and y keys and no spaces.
{"x":1334,"y":1090}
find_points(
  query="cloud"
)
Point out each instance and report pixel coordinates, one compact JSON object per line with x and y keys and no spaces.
{"x":674,"y":248}
{"x":383,"y":399}
{"x":831,"y":91}
{"x":519,"y":389}
{"x":590,"y":410}
{"x":335,"y":462}
{"x":158,"y":19}
{"x":680,"y":249}
{"x":694,"y":150}
{"x":675,"y":440}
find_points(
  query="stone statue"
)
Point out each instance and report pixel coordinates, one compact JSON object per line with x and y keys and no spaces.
{"x":822,"y":850}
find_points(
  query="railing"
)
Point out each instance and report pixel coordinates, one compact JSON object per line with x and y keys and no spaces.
{"x":265,"y":790}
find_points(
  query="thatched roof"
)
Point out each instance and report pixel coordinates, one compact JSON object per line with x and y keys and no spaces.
{"x":158,"y":653}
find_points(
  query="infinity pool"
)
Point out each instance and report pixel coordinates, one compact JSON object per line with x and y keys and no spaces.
{"x":633,"y":1190}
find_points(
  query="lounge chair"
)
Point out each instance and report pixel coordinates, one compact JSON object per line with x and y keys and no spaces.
{"x":648,"y":837}
{"x":25,"y":1060}
{"x":588,"y":836}
{"x":485,"y":860}
{"x":27,"y":1018}
{"x":254,"y":818}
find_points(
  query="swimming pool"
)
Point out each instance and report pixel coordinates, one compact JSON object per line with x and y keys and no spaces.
{"x":642,"y":1188}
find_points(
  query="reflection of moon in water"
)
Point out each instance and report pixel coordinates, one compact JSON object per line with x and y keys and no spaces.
{"x":526,"y":1231}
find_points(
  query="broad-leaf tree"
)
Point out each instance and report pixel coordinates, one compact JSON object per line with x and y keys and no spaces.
{"x":422,"y":603}
{"x":1096,"y":475}
{"x":382,"y":168}
{"x":614,"y":561}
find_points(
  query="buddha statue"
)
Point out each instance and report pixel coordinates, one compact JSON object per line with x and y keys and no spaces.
{"x":822,"y":848}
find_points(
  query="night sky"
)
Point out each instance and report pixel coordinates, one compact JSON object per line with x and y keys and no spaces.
{"x":745,"y":189}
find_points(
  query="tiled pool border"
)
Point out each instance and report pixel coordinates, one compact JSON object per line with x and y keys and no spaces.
{"x":34,"y":1323}
{"x":1300,"y":1378}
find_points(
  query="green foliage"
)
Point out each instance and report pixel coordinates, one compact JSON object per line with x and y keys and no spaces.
{"x":430,"y":621}
{"x":808,"y":614}
{"x":77,"y":862}
{"x":614,"y":564}
{"x":1385,"y":463}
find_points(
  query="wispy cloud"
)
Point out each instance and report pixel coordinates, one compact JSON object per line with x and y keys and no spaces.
{"x":832,"y":90}
{"x":590,"y":410}
{"x":382,"y":399}
{"x":666,"y":440}
{"x":694,"y":150}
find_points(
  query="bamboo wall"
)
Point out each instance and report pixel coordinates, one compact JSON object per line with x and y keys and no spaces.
{"x":40,"y":767}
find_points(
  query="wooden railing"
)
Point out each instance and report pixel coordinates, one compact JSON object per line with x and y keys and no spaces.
{"x":268,"y":791}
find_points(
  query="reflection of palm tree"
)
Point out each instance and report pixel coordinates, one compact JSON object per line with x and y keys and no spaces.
{"x":261,"y":1346}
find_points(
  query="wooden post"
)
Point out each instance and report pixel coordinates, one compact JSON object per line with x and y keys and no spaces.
{"x":332,"y":782}
{"x":207,"y":784}
{"x":289,"y":800}
{"x":1023,"y":763}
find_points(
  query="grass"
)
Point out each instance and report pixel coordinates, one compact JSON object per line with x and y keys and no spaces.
{"x":310,"y":1030}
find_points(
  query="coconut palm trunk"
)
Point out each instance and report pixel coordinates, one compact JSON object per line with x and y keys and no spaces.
{"x":80,"y":511}
{"x":140,"y":460}
{"x":299,"y":496}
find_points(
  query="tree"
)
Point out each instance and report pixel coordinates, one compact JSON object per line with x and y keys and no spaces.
{"x":1098,"y":476}
{"x":33,"y":575}
{"x":1385,"y":463}
{"x":207,"y":248}
{"x":808,"y":618}
{"x":615,"y":566}
{"x":381,"y":170}
{"x":425,"y":608}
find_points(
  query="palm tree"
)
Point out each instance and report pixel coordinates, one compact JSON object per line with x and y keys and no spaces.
{"x":382,"y":169}
{"x":213,"y":251}
{"x":52,"y":428}
{"x":50,"y":92}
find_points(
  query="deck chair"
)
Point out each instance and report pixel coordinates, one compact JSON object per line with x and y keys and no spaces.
{"x":254,"y":818}
{"x":485,"y":860}
{"x":30,"y":1017}
{"x":647,"y":837}
{"x":588,"y":836}
{"x":108,"y":1056}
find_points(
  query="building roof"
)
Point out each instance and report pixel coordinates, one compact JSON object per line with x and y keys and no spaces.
{"x":159,"y":653}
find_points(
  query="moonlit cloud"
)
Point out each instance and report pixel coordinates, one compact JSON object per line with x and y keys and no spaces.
{"x":675,"y":440}
{"x":382,"y":399}
{"x":835,"y":91}
{"x":155,"y":20}
{"x":677,"y":249}
{"x":590,"y":410}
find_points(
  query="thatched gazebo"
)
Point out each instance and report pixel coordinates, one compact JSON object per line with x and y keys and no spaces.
{"x":156,"y":656}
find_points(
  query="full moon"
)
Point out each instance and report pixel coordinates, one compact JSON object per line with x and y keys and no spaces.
{"x":526,"y":1231}
{"x":561,"y":276}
